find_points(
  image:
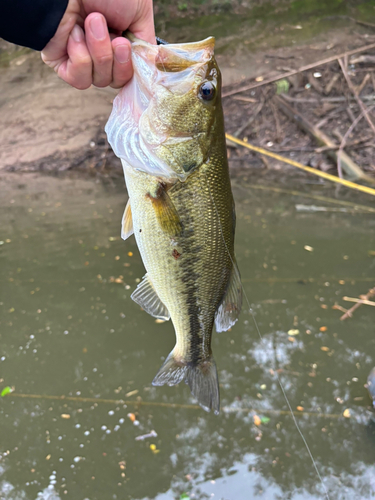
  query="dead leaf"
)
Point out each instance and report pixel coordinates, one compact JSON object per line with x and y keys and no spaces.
{"x":257,"y":420}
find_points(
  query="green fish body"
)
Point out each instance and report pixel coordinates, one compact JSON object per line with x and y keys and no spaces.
{"x":181,"y":207}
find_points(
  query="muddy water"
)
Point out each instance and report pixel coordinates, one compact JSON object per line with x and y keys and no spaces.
{"x":69,"y":329}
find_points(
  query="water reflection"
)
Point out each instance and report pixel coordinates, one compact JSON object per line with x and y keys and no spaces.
{"x":68,"y":327}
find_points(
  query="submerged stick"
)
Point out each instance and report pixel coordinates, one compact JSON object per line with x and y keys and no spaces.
{"x":225,"y":409}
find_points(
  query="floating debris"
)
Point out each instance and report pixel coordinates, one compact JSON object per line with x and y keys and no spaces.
{"x":145,"y":436}
{"x":293,"y":332}
{"x":5,"y":391}
{"x":257,"y":420}
{"x":131,"y":393}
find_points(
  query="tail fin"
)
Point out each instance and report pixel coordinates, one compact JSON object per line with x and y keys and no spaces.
{"x":202,"y":379}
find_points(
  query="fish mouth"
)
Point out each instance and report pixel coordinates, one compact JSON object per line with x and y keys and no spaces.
{"x":141,"y":136}
{"x":172,"y":65}
{"x":172,"y":57}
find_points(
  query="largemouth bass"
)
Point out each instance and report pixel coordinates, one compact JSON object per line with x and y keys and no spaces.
{"x":167,"y":127}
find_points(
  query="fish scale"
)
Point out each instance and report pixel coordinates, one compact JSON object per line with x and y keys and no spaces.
{"x":184,"y":219}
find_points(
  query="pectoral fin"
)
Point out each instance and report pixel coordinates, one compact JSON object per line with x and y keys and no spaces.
{"x":146,"y":296}
{"x":165,"y":211}
{"x":230,"y":307}
{"x":127,"y":222}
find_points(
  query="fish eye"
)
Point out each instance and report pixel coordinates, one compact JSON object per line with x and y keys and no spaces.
{"x":207,"y":91}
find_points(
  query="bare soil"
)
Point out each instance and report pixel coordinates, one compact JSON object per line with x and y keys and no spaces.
{"x":47,"y":126}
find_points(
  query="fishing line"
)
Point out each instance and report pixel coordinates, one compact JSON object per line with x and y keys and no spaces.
{"x":163,"y":42}
{"x":264,"y":345}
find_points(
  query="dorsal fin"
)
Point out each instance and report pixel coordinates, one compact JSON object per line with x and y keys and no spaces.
{"x":146,"y":296}
{"x":127,"y":222}
{"x":230,"y":307}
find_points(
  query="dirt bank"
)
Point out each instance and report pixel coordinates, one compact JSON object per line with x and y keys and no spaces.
{"x":45,"y":125}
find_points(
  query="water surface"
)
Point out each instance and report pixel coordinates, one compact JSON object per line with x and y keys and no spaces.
{"x":69,"y":328}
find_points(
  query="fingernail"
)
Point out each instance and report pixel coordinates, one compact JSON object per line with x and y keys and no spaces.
{"x":122,"y":53}
{"x":77,"y":34}
{"x":98,"y":27}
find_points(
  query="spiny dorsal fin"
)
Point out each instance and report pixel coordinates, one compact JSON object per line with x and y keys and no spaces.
{"x":127,"y":222}
{"x":202,"y":379}
{"x":230,"y":307}
{"x":165,"y":211}
{"x":146,"y":296}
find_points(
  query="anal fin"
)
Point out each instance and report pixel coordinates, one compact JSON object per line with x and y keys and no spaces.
{"x":146,"y":296}
{"x":230,"y":307}
{"x":127,"y":222}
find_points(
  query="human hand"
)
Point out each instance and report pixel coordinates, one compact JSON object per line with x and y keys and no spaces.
{"x":93,"y":55}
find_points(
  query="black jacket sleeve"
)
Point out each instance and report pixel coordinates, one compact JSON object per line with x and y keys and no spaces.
{"x":31,"y":23}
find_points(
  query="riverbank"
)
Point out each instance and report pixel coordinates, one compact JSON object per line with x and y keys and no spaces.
{"x":47,"y":126}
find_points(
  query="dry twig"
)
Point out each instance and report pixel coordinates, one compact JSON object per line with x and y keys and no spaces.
{"x":362,"y":301}
{"x":350,"y":167}
{"x":299,"y":70}
{"x":339,"y":308}
{"x":331,"y":83}
{"x":349,"y":131}
{"x":243,"y":127}
{"x":360,"y":103}
{"x":349,"y":312}
{"x":351,"y":144}
{"x":302,"y":100}
{"x":361,"y":86}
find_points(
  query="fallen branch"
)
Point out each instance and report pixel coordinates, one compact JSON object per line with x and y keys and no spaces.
{"x":256,"y":112}
{"x":302,"y":100}
{"x":359,"y":301}
{"x":352,"y":144}
{"x":362,"y":59}
{"x":349,"y":312}
{"x":363,"y":23}
{"x":299,"y":70}
{"x":360,"y":103}
{"x":339,"y":308}
{"x":348,"y":165}
{"x":340,"y":152}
